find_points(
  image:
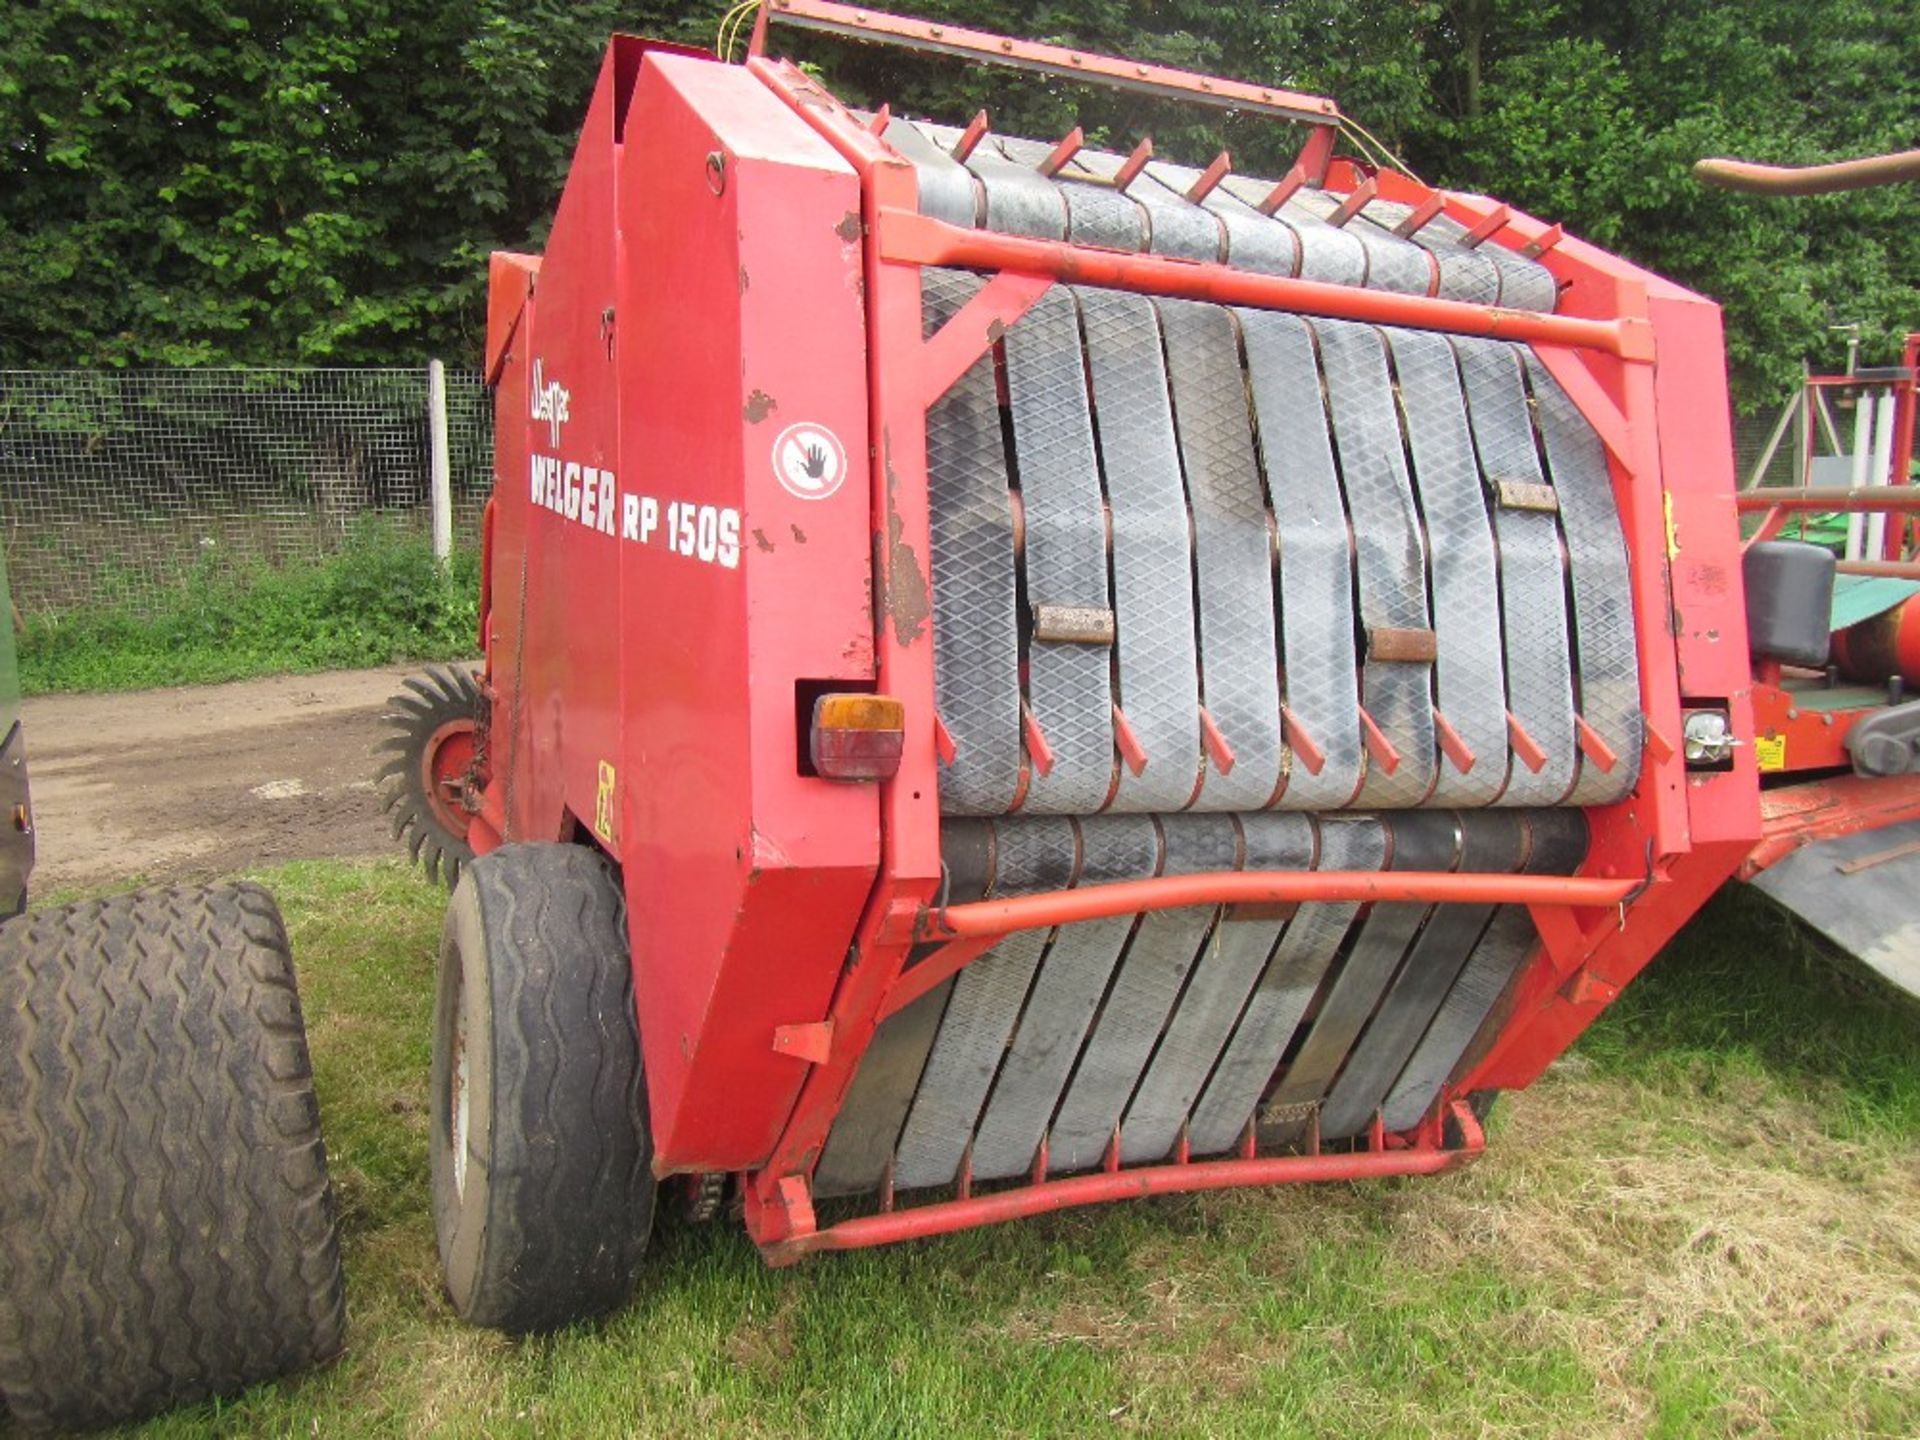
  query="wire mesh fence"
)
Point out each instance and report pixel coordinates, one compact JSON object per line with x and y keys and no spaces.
{"x":119,"y":487}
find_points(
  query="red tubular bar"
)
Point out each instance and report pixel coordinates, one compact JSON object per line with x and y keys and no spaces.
{"x":941,"y":38}
{"x":1830,"y":497}
{"x":1170,"y":892}
{"x":915,"y":239}
{"x":1108,"y":1186}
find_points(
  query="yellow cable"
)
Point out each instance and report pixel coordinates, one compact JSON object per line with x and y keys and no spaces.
{"x":730,"y":28}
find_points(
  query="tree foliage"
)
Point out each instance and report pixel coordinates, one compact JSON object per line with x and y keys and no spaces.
{"x":190,"y":182}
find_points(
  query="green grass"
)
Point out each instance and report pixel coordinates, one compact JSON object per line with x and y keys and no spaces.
{"x":379,"y":599}
{"x":1703,"y":1222}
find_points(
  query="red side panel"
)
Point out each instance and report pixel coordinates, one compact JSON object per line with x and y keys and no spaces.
{"x":746,"y":564}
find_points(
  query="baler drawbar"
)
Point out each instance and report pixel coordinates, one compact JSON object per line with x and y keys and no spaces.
{"x":1054,"y":675}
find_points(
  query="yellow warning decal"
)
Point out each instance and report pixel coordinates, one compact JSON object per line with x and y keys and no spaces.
{"x":1771,"y":752}
{"x":603,"y":804}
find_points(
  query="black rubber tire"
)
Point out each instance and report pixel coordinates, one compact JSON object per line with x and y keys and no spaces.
{"x":550,"y":1220}
{"x":426,"y":702}
{"x":166,"y":1227}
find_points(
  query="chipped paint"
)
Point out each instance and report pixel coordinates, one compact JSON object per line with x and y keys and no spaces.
{"x":761,"y":541}
{"x":849,"y":227}
{"x":759,"y":406}
{"x":799,"y":535}
{"x":909,"y":601}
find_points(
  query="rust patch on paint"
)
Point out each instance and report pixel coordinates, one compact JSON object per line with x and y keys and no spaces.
{"x":909,"y":601}
{"x":744,"y":281}
{"x":849,"y":227}
{"x":799,"y":535}
{"x":759,"y":405}
{"x":760,"y":539}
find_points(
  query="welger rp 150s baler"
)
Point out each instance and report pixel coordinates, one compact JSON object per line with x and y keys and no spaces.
{"x":1039,"y":676}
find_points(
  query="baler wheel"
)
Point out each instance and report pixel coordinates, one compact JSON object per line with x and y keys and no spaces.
{"x":543,"y":1191}
{"x":166,"y":1226}
{"x":431,"y":778}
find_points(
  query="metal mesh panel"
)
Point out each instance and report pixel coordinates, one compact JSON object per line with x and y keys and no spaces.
{"x":117,"y":486}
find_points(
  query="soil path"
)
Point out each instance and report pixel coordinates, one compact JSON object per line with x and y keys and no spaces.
{"x":163,"y":785}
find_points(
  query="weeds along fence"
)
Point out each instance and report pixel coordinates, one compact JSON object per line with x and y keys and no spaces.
{"x":119,"y":489}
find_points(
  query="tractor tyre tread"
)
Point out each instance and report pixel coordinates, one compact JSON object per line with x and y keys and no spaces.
{"x":565,"y":1206}
{"x":167,"y":1232}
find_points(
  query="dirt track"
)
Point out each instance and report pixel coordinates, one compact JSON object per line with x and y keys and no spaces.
{"x":163,"y":785}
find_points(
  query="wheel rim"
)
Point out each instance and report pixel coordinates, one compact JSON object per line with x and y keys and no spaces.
{"x":446,"y":769}
{"x":459,"y":1101}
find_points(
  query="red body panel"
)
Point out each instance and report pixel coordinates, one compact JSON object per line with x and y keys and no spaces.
{"x":652,"y":704}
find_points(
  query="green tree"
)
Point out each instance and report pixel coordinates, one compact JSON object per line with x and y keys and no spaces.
{"x":185,"y":181}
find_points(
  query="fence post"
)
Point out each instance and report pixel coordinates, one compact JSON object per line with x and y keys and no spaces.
{"x":441,"y":470}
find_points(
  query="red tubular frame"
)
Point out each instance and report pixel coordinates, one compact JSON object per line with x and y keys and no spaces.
{"x":981,"y":47}
{"x":916,"y":239}
{"x":1655,"y":857}
{"x":1105,"y":1187}
{"x":1171,"y":892}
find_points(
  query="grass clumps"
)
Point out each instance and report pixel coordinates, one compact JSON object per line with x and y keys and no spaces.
{"x":378,"y":599}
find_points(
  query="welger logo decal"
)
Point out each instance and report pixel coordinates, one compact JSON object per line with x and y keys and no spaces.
{"x":550,"y":401}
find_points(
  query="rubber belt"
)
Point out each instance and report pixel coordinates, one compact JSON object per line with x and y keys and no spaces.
{"x":1066,"y":992}
{"x":1316,"y":558}
{"x":1390,"y":556}
{"x":1176,"y":226}
{"x":1464,"y":273}
{"x":1034,"y":854}
{"x":1096,"y":214}
{"x":1533,"y":586}
{"x":976,"y":646}
{"x":1020,"y":201}
{"x":1157,"y":675}
{"x":1254,"y":241}
{"x":1326,"y":253}
{"x":1422,"y":840}
{"x":1464,"y":586}
{"x":1146,"y":984}
{"x":1233,"y":553}
{"x":1492,"y":842}
{"x":1392,"y":263}
{"x":1065,"y":559}
{"x":1287,"y":986}
{"x":1558,"y":843}
{"x":1230,"y":961}
{"x":947,"y":190}
{"x":1609,"y":668}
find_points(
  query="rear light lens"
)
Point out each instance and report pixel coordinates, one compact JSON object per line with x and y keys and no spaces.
{"x":857,"y":737}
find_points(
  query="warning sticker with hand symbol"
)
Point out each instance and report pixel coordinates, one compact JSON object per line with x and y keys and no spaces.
{"x":809,"y":461}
